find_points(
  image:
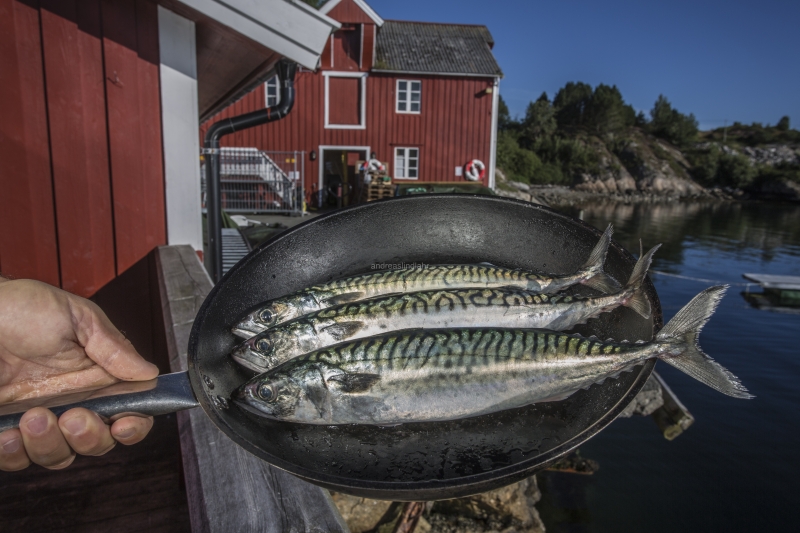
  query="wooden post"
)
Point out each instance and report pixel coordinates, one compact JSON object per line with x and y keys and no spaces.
{"x":228,"y":489}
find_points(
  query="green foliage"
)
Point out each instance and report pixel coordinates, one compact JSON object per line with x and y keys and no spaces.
{"x":517,"y":163}
{"x":783,"y":124}
{"x":714,"y":167}
{"x":503,"y":116}
{"x":670,"y":124}
{"x":781,"y":171}
{"x":550,"y":174}
{"x":540,"y":121}
{"x":571,"y":103}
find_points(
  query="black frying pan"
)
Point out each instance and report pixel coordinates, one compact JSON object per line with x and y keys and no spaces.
{"x":423,"y":461}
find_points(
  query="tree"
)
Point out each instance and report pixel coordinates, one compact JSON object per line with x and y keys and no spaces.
{"x":783,"y":124}
{"x":607,"y":111}
{"x":540,"y":121}
{"x":503,"y":115}
{"x":315,"y":3}
{"x":571,"y":102}
{"x":669,"y":124}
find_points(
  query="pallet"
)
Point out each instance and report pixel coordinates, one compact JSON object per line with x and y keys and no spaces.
{"x":378,"y":191}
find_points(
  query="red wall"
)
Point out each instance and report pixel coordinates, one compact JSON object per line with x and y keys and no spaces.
{"x":348,"y":11}
{"x":83,"y":187}
{"x":454,"y":125}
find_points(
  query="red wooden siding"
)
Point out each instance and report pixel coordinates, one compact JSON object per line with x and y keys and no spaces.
{"x":347,"y":49}
{"x":82,"y":188}
{"x":73,"y":60}
{"x":454,"y":125}
{"x":134,"y":121}
{"x":348,"y":11}
{"x":346,"y":93}
{"x":27,"y":218}
{"x":368,"y":50}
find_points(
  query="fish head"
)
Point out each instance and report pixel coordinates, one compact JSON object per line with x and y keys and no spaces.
{"x":272,"y":395}
{"x":273,"y":347}
{"x":276,"y":312}
{"x":297,"y":394}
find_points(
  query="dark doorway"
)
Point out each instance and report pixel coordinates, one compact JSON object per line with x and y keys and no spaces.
{"x":340,"y":177}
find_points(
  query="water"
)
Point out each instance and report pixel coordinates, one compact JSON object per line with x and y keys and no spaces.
{"x":736,"y":468}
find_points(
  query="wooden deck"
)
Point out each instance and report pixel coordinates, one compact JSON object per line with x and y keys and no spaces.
{"x":186,"y":475}
{"x":130,"y":489}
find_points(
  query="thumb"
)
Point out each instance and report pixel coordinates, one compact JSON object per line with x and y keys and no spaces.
{"x":106,"y":346}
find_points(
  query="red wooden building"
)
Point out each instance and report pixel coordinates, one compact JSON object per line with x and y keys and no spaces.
{"x":100,"y":108}
{"x":420,"y":97}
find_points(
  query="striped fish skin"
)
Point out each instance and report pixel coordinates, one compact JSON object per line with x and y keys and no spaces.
{"x":435,"y":375}
{"x":456,"y":308}
{"x":434,"y":277}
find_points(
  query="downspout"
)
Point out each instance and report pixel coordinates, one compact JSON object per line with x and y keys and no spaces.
{"x":286,"y":71}
{"x":493,"y":136}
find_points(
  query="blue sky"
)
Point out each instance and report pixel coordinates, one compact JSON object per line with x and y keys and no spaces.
{"x":734,"y":60}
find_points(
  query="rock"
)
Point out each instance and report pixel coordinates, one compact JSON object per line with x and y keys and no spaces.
{"x":657,"y":167}
{"x":361,"y":514}
{"x":506,"y":510}
{"x":782,"y":189}
{"x":612,"y":178}
{"x":647,"y":401}
{"x":524,"y":187}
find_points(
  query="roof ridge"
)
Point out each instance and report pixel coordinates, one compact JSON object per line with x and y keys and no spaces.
{"x":438,"y":23}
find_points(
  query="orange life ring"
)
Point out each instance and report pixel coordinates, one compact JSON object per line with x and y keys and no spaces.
{"x":475,"y":170}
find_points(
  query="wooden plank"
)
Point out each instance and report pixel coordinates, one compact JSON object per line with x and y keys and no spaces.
{"x":771,"y":281}
{"x":125,"y":486}
{"x":73,"y":58}
{"x":266,"y":499}
{"x":134,"y":128}
{"x":26,"y":202}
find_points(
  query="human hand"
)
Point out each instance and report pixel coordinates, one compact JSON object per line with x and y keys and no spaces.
{"x":54,"y":342}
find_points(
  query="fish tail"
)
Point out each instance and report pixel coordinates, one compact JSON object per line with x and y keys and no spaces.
{"x":637,"y":299}
{"x":593,"y":266}
{"x":682,"y":332}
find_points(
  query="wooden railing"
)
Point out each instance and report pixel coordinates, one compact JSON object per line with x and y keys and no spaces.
{"x":228,"y":489}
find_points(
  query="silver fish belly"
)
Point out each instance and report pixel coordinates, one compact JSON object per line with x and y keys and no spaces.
{"x":434,"y":375}
{"x":433,"y":277}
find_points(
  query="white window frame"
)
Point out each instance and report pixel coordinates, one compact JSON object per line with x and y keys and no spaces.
{"x":407,"y":101}
{"x":328,"y":74}
{"x":272,"y":82}
{"x":406,"y":158}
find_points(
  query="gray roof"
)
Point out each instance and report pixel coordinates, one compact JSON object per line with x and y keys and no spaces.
{"x":423,"y":47}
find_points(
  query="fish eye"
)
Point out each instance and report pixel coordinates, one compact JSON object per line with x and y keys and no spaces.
{"x":266,"y":316}
{"x":263,"y":345}
{"x":266,"y":392}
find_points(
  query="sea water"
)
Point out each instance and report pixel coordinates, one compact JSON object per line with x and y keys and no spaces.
{"x":735,"y":469}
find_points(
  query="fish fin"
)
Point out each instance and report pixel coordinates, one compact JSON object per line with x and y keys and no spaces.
{"x":600,"y":281}
{"x":557,"y":397}
{"x":344,"y":298}
{"x":343,"y":330}
{"x":355,"y":382}
{"x":487,"y":264}
{"x":638,"y":300}
{"x":682,"y":331}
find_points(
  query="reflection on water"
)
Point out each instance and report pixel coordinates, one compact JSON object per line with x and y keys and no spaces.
{"x":759,"y":229}
{"x":735,"y":469}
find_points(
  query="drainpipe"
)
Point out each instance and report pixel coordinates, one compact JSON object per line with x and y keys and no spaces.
{"x":286,"y":72}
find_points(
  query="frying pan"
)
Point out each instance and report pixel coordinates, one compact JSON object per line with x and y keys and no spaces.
{"x":418,"y":461}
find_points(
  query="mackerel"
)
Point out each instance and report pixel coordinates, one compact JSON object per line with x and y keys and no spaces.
{"x":434,"y":375}
{"x":406,"y":280}
{"x":436,"y":309}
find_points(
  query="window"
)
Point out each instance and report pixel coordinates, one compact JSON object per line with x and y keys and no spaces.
{"x":273,"y":94}
{"x":345,"y":102}
{"x":408,"y":96}
{"x":406,"y":163}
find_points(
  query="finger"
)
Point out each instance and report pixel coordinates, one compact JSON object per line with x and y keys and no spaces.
{"x":105,"y":345}
{"x":12,"y":452}
{"x":131,"y":429}
{"x":85,"y":433}
{"x":44,"y":442}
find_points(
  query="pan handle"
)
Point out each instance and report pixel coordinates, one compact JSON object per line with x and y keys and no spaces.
{"x":168,"y":393}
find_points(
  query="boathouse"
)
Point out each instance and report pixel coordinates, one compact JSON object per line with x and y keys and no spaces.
{"x":419,"y":97}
